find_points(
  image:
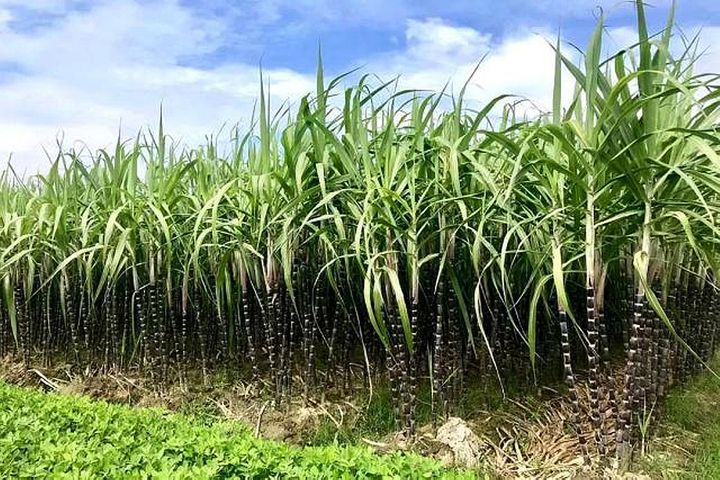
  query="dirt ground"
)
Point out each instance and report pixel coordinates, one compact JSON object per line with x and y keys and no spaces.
{"x":528,"y":439}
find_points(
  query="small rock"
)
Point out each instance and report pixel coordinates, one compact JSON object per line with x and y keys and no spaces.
{"x":445,"y":456}
{"x":306,"y":418}
{"x":465,"y":445}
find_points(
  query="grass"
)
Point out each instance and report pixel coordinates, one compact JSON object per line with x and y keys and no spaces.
{"x":690,"y":431}
{"x":375,"y":417}
{"x":56,"y":436}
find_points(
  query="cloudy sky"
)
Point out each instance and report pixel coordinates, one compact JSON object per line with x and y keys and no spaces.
{"x":79,"y":70}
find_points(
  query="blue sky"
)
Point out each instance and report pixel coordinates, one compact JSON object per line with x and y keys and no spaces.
{"x":77,"y":69}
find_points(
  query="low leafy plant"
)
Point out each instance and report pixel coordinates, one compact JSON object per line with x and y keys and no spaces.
{"x":54,"y":436}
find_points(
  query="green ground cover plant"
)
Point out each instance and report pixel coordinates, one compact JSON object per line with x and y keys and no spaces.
{"x":55,"y":436}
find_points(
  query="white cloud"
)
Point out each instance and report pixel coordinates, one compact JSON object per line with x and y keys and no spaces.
{"x":434,"y":40}
{"x":5,"y":19}
{"x":91,"y":69}
{"x":84,"y":75}
{"x":436,"y":52}
{"x":520,"y":63}
{"x":618,"y":38}
{"x":708,"y":49}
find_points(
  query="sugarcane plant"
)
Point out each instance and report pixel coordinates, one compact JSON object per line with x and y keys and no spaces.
{"x":369,"y":232}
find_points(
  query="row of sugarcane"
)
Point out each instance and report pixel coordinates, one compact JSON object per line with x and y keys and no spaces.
{"x":411,"y":236}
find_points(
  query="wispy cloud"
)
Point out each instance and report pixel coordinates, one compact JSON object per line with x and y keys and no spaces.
{"x":115,"y":63}
{"x":95,"y":65}
{"x":437,"y":53}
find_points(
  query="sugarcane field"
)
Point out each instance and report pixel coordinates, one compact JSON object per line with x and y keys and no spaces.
{"x":369,"y":280}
